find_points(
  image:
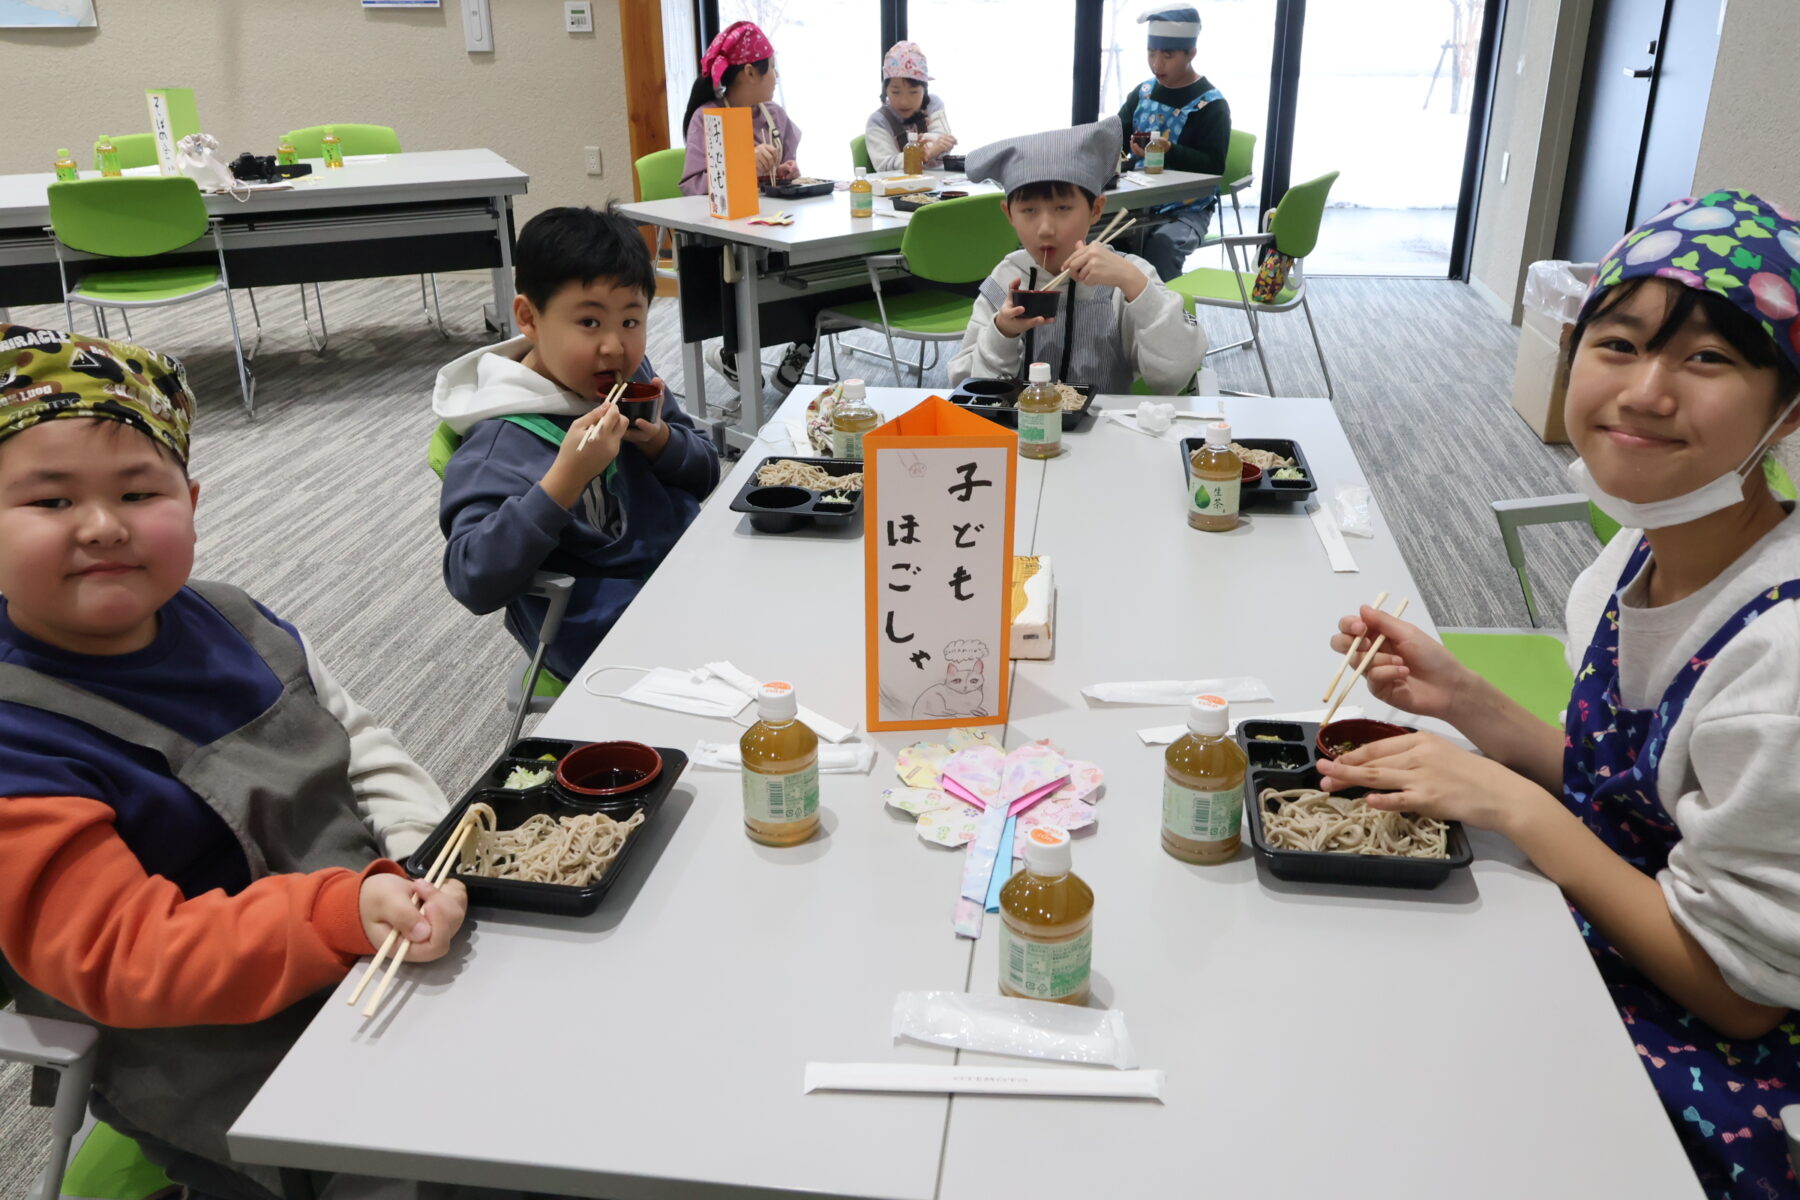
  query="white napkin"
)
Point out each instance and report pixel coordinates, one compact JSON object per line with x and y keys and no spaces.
{"x":1162,"y":735}
{"x":1236,"y":689}
{"x":1331,"y":538}
{"x":853,"y":759}
{"x":820,"y":724}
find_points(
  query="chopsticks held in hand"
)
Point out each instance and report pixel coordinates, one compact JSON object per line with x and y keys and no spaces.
{"x":1112,"y":231}
{"x":1348,"y":655}
{"x":440,"y":871}
{"x":612,"y":397}
{"x":1362,"y":666}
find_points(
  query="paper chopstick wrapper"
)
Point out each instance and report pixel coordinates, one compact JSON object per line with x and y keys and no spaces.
{"x":1238,"y":690}
{"x":1162,"y":735}
{"x":983,"y":1081}
{"x":852,"y":758}
{"x":1332,"y":538}
{"x":820,"y":724}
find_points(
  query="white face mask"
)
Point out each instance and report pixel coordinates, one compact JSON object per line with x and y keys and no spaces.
{"x":677,"y":691}
{"x":1703,"y":501}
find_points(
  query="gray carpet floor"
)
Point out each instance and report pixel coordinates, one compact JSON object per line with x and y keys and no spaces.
{"x":325,"y":510}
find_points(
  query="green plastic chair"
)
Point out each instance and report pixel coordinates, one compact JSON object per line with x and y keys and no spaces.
{"x":352,"y":139}
{"x":106,"y":1165}
{"x":1240,"y":156}
{"x":951,"y":242}
{"x":135,"y":150}
{"x":659,"y":178}
{"x":138,"y":217}
{"x":859,"y":153}
{"x":357,"y":139}
{"x":538,"y":687}
{"x":1293,"y":229}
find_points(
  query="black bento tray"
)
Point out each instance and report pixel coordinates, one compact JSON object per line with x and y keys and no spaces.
{"x":954,"y":163}
{"x":784,"y":519}
{"x":1268,"y":770}
{"x":914,"y":201}
{"x":1267,"y":490}
{"x":512,"y":807}
{"x":798,"y":191}
{"x":1006,"y":412}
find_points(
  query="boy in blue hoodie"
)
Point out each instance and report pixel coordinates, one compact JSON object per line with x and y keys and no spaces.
{"x":523,"y":493}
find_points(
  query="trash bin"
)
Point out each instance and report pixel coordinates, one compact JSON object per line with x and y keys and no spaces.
{"x":1553,"y":295}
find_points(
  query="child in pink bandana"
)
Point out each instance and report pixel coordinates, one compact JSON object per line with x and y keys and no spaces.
{"x":908,"y":107}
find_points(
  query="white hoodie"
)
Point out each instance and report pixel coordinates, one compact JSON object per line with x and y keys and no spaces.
{"x":495,"y":382}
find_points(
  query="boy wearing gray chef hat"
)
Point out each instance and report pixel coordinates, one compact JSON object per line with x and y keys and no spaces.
{"x":1115,"y":321}
{"x":1184,"y":106}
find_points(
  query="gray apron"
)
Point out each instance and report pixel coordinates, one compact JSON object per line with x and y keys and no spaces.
{"x":1082,"y":345}
{"x":281,"y":783}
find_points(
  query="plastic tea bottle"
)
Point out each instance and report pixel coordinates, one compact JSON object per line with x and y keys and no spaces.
{"x":850,"y":420}
{"x":1046,"y":924}
{"x":106,"y":157}
{"x":1203,"y":786}
{"x":285,"y":154}
{"x":65,"y":166}
{"x":781,"y":771}
{"x":333,"y":148}
{"x":914,"y":155}
{"x":1216,"y":477}
{"x":862,"y":195}
{"x":1154,"y":152}
{"x":1040,"y":415}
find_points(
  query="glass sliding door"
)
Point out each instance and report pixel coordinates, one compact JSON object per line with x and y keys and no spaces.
{"x":828,"y":54}
{"x":1003,"y":67}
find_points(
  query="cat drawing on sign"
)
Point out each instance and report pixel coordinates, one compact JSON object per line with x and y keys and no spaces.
{"x":963,"y":692}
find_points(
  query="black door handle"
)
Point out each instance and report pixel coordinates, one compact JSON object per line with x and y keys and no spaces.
{"x":1639,"y":72}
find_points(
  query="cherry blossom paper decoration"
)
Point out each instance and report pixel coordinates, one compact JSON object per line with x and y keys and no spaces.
{"x":979,"y":765}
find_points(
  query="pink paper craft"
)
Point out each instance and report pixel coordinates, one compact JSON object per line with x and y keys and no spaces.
{"x":947,"y":807}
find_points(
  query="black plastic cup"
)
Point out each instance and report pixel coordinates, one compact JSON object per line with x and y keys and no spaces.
{"x":640,"y":401}
{"x":1036,"y":304}
{"x":778,"y":499}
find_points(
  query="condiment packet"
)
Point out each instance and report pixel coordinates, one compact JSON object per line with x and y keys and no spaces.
{"x":854,"y":758}
{"x":1020,"y":1028}
{"x":1237,"y":689}
{"x":1162,"y":735}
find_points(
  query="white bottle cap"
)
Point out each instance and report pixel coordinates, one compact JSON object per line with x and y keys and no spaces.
{"x":854,"y":390}
{"x":1209,"y":716}
{"x":776,"y":702}
{"x":1218,"y":434}
{"x":862,"y":172}
{"x":1047,"y":851}
{"x":1040,"y":373}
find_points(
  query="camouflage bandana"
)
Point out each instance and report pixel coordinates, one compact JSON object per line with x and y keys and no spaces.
{"x":46,"y":375}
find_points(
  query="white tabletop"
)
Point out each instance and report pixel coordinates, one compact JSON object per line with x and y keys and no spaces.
{"x":421,"y":176}
{"x":823,"y":227}
{"x":1318,"y":1041}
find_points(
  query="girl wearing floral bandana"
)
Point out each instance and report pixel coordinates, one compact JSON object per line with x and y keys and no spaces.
{"x":1667,"y":808}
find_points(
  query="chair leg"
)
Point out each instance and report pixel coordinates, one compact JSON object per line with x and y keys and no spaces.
{"x":1318,"y":347}
{"x":436,"y":310}
{"x":125,"y":316}
{"x":100,"y":319}
{"x":1237,"y":209}
{"x":256,"y":317}
{"x":531,"y":681}
{"x":246,"y":381}
{"x":324,"y":336}
{"x":1250,"y":314}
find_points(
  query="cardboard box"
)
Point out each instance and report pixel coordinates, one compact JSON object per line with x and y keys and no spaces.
{"x":901,"y":185}
{"x":1538,"y":380}
{"x":1033,"y":607}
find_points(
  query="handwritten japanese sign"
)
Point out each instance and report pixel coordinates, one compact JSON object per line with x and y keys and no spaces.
{"x":730,"y":163}
{"x":938,"y":510}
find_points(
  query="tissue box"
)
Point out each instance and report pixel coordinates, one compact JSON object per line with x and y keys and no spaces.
{"x":901,"y":185}
{"x":1033,"y":607}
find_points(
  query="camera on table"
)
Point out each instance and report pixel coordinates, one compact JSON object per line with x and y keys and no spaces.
{"x":254,"y":168}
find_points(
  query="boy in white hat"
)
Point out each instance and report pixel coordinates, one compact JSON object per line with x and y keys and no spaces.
{"x":1185,"y":106}
{"x":1115,"y":321}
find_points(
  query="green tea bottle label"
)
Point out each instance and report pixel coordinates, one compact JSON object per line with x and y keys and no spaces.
{"x":1045,"y":970}
{"x":1040,"y":428}
{"x":1202,"y":816}
{"x":1216,"y":497}
{"x":776,"y":799}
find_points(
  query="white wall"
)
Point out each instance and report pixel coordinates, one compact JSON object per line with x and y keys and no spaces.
{"x":261,"y":67}
{"x":1752,"y":134}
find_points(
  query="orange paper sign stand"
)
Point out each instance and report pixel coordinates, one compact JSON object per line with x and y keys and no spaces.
{"x":730,"y":163}
{"x":938,"y":487}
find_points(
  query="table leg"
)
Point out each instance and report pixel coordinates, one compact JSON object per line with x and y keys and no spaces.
{"x":502,"y":274}
{"x":749,"y":350}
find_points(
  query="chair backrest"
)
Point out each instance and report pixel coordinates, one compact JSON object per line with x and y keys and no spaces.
{"x":958,"y":241}
{"x":1295,"y":221}
{"x":132,"y":217}
{"x":352,"y":139}
{"x":1240,"y":156}
{"x":659,"y":173}
{"x":859,"y":152}
{"x":135,"y":150}
{"x":443,"y":443}
{"x":1605,"y":527}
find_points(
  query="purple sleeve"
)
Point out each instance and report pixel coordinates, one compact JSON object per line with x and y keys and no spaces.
{"x":693,"y":172}
{"x":790,"y":133}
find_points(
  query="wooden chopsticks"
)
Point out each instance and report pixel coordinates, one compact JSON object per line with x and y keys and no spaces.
{"x":440,"y":871}
{"x":1331,"y":687}
{"x":1361,"y":666}
{"x":612,"y":397}
{"x":1112,"y":231}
